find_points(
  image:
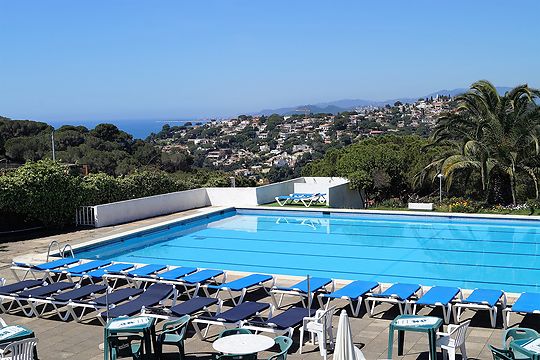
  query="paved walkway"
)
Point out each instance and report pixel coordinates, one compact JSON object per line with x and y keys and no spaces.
{"x":70,"y":340}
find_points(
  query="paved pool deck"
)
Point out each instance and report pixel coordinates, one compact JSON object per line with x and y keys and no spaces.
{"x":71,"y":340}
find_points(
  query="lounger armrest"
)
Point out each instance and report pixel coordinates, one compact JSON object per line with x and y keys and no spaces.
{"x":261,"y":324}
{"x":156,"y":310}
{"x":20,"y":264}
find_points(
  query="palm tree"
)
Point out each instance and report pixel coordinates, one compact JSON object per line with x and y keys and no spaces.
{"x":494,"y":134}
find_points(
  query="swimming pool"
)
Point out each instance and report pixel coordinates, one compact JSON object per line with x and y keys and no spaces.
{"x":428,"y":250}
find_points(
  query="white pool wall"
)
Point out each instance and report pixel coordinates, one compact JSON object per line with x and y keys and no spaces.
{"x":339,"y":195}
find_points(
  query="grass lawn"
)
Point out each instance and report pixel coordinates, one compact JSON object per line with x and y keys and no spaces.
{"x":481,"y":211}
{"x":317,"y":205}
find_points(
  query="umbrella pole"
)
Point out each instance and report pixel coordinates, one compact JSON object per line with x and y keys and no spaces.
{"x":308,"y":295}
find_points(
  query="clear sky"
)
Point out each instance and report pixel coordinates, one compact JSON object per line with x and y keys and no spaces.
{"x":127,"y":59}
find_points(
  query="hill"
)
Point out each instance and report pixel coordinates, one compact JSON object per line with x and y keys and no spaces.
{"x":337,"y":106}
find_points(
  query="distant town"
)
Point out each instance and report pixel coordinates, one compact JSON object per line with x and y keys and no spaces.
{"x":273,"y":147}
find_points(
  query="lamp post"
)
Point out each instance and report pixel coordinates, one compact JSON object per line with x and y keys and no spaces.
{"x":440,"y":176}
{"x":52,"y":146}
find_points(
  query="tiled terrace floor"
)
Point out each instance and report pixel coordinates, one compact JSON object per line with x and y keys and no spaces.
{"x":70,"y":340}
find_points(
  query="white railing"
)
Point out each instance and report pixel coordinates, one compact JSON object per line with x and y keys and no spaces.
{"x":85,"y":216}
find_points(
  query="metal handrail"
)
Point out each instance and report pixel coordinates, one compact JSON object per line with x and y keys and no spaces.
{"x":65,"y":248}
{"x":50,"y":246}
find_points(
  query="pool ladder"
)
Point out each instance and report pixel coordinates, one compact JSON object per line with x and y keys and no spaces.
{"x":66,"y":250}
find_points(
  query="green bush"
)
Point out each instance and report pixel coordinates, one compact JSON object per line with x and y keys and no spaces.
{"x":148,"y":183}
{"x":393,"y":203}
{"x":101,"y":188}
{"x":460,"y":205}
{"x":42,"y":191}
{"x":46,"y":191}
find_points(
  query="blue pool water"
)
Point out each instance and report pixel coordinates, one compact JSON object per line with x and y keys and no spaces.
{"x":429,"y":250}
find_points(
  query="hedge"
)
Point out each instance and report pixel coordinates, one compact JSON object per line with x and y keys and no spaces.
{"x":48,"y":192}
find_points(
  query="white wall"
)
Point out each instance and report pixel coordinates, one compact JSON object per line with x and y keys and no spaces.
{"x":137,"y":209}
{"x":239,"y":196}
{"x":337,"y":189}
{"x":267,"y":194}
{"x":341,"y":196}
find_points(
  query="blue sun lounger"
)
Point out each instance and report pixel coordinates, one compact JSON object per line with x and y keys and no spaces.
{"x":399,"y":293}
{"x":482,"y":299}
{"x":100,"y":303}
{"x":280,"y":324}
{"x":307,"y":199}
{"x":295,"y":197}
{"x":7,"y":292}
{"x":168,"y":276}
{"x":20,"y":286}
{"x":153,"y":295}
{"x":189,"y":307}
{"x":352,"y":292}
{"x":527,"y":303}
{"x":300,"y":289}
{"x":439,"y":296}
{"x":241,"y":286}
{"x":135,"y":276}
{"x":193,"y":282}
{"x":44,"y":267}
{"x":195,"y":305}
{"x":60,"y":300}
{"x":80,"y":270}
{"x":22,"y":298}
{"x":98,"y":274}
{"x":176,"y":273}
{"x":230,"y":318}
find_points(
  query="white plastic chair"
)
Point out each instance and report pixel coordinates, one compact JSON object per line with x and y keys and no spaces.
{"x":320,"y":328}
{"x":453,"y":339}
{"x":19,"y":350}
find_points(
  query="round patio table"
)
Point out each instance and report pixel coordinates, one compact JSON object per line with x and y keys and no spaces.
{"x":243,"y":344}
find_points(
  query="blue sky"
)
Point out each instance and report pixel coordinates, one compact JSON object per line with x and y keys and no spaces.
{"x":126,"y":59}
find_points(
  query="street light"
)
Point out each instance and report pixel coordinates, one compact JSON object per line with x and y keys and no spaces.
{"x":52,"y":146}
{"x":440,"y":176}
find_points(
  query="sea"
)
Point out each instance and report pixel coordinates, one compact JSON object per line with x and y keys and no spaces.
{"x":139,"y":128}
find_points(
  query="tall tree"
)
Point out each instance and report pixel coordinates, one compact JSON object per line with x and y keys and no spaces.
{"x":497,"y":136}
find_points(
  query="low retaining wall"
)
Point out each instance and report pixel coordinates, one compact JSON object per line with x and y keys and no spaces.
{"x":137,"y":209}
{"x":337,"y":189}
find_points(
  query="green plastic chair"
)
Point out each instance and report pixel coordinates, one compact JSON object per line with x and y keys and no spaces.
{"x":284,"y":344}
{"x":501,"y":354}
{"x":125,"y":346}
{"x":173,"y":333}
{"x":235,"y":331}
{"x":518,"y":334}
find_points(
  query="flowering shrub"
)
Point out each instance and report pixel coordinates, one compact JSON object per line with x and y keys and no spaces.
{"x":463,"y":206}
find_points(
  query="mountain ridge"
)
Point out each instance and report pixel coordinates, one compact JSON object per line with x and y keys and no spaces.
{"x":342,"y":105}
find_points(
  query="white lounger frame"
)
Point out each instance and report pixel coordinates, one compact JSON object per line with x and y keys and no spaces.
{"x":506,"y":315}
{"x":293,"y":292}
{"x":354,"y":309}
{"x":206,"y":309}
{"x":29,"y":270}
{"x":446,"y":308}
{"x":403,"y":305}
{"x":459,"y":306}
{"x":269,"y":329}
{"x":202,"y":334}
{"x":233,"y":294}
